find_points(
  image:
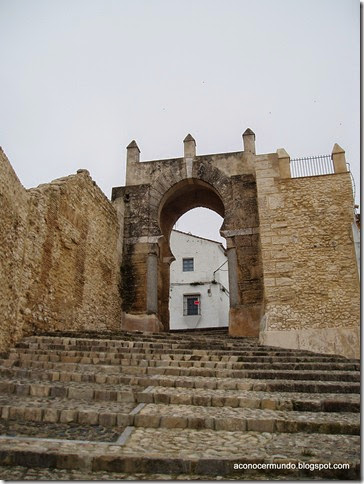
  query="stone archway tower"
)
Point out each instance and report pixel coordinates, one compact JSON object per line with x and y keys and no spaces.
{"x":156,"y":194}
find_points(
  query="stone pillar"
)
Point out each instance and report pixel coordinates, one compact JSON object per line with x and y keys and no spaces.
{"x":152,"y":283}
{"x":249,"y":141}
{"x":133,"y":153}
{"x":338,"y":159}
{"x":284,"y":162}
{"x":189,"y":154}
{"x":132,"y":160}
{"x":233,"y":277}
{"x":189,"y":147}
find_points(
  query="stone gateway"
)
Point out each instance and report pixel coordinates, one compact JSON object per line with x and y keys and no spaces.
{"x":71,"y":259}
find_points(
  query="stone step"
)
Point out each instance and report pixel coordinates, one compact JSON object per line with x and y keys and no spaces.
{"x":168,"y":368}
{"x":324,"y":402}
{"x":72,"y":390}
{"x":194,"y":453}
{"x":93,"y":391}
{"x":202,"y":354}
{"x":62,"y":410}
{"x":121,"y":345}
{"x":246,"y":419}
{"x":208,"y":361}
{"x":121,"y":414}
{"x":116,"y":375}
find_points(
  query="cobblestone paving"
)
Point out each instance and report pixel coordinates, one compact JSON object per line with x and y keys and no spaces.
{"x":70,"y":431}
{"x":250,"y":445}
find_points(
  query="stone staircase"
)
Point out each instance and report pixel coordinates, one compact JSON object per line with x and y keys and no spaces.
{"x":148,"y":406}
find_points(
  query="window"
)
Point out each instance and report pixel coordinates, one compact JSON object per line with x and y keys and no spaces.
{"x":191,"y":305}
{"x":188,"y":264}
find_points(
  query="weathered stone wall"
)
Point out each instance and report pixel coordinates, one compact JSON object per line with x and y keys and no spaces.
{"x":311,"y":285}
{"x":60,"y":256}
{"x":13,"y":224}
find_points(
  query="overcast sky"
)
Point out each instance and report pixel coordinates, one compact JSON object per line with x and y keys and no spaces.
{"x":81,"y":78}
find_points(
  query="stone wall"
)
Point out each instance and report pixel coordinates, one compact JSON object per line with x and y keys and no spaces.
{"x":60,"y":256}
{"x":13,"y":225}
{"x":311,"y":285}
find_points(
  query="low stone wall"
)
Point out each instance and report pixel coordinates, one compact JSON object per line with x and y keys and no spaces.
{"x":60,"y":257}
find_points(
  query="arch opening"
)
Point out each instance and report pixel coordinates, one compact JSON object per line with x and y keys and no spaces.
{"x":198,"y":290}
{"x":199,"y":280}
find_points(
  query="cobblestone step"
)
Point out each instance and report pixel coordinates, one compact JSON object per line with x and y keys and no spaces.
{"x":193,"y":453}
{"x":188,"y":348}
{"x":117,"y":375}
{"x":208,"y":361}
{"x":169,"y":368}
{"x":246,"y":419}
{"x":72,"y":390}
{"x":323,"y":402}
{"x":175,"y":355}
{"x":154,"y":394}
{"x":175,"y":405}
{"x":60,"y":410}
{"x":175,"y":416}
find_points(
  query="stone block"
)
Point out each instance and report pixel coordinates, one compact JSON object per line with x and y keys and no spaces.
{"x":81,"y":394}
{"x":173,"y":422}
{"x":268,"y":403}
{"x":161,"y":398}
{"x":22,"y":389}
{"x":200,"y":423}
{"x":39,"y":390}
{"x":33,"y":414}
{"x":230,"y":424}
{"x":58,"y":391}
{"x":202,"y":400}
{"x":108,"y":419}
{"x":16,"y":413}
{"x":152,"y":421}
{"x":260,"y":425}
{"x":181,"y":399}
{"x":68,"y":416}
{"x":51,"y":415}
{"x":123,"y":419}
{"x":88,"y":417}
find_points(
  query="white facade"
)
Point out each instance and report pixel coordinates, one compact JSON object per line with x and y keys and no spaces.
{"x":199,"y":287}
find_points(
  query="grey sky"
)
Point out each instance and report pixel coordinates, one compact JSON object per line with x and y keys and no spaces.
{"x":82,"y":78}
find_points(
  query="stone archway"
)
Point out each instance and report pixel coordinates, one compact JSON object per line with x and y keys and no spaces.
{"x":179,"y":199}
{"x":156,"y":194}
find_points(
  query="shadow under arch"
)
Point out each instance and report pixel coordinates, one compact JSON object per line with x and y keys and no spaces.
{"x":179,"y":199}
{"x":184,"y":196}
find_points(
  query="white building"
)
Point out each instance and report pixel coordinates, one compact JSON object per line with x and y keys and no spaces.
{"x":199,"y":287}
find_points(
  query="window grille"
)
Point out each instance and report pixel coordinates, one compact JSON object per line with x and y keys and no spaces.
{"x":191,"y":305}
{"x":188,"y":264}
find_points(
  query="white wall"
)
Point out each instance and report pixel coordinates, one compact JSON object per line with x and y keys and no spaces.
{"x":208,"y":256}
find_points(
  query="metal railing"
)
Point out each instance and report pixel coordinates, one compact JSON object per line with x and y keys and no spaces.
{"x":312,"y":166}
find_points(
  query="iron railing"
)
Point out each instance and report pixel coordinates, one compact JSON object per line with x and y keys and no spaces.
{"x":312,"y":166}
